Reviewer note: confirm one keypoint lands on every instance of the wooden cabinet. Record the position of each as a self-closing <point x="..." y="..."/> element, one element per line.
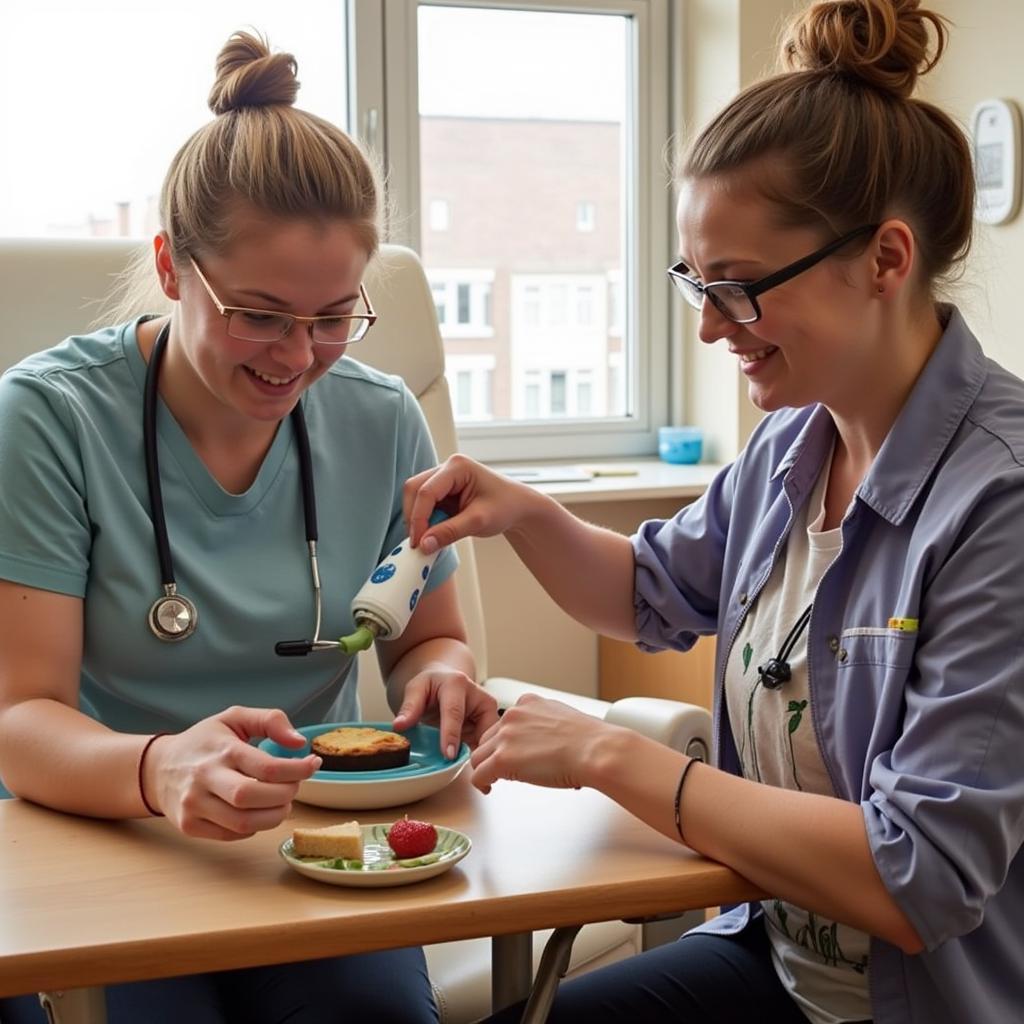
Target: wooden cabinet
<point x="625" y="671"/>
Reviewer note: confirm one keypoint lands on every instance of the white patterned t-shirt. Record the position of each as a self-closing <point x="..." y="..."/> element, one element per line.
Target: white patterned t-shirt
<point x="823" y="964"/>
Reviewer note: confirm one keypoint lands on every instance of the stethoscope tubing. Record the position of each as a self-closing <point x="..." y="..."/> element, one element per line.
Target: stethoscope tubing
<point x="183" y="608"/>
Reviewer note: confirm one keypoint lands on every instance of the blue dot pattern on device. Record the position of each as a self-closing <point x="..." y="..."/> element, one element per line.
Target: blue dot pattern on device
<point x="412" y="600"/>
<point x="426" y="571"/>
<point x="397" y="551"/>
<point x="383" y="573"/>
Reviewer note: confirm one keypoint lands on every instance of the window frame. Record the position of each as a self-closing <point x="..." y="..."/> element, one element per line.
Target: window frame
<point x="384" y="113"/>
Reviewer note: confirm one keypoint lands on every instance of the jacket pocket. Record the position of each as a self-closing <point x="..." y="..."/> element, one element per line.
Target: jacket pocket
<point x="876" y="645"/>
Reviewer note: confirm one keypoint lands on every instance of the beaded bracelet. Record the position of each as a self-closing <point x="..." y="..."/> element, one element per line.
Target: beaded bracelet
<point x="142" y="760"/>
<point x="679" y="793"/>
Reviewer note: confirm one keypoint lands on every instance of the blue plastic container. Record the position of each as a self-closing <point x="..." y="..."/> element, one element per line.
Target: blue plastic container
<point x="680" y="444"/>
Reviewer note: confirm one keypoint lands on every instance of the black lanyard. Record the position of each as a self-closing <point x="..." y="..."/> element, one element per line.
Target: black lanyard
<point x="776" y="671"/>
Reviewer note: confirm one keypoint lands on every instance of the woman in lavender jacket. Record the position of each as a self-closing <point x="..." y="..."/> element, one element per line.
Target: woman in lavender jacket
<point x="860" y="563"/>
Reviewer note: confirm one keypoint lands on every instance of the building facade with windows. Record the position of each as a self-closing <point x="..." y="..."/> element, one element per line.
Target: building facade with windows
<point x="525" y="264"/>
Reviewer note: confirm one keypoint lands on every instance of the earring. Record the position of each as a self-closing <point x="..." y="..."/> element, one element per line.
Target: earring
<point x="881" y="288"/>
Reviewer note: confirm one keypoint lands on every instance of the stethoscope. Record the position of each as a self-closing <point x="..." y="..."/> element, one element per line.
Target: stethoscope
<point x="173" y="616"/>
<point x="776" y="671"/>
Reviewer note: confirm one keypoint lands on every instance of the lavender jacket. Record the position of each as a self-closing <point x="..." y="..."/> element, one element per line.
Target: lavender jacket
<point x="925" y="729"/>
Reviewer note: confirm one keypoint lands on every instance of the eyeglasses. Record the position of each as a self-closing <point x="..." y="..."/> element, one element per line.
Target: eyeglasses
<point x="737" y="300"/>
<point x="268" y="326"/>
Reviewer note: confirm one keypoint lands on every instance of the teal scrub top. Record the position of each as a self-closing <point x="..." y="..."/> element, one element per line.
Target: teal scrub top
<point x="75" y="519"/>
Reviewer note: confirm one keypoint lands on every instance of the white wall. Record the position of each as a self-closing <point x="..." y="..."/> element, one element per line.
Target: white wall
<point x="983" y="61"/>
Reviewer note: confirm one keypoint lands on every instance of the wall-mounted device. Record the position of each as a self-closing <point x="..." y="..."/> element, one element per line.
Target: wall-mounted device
<point x="996" y="148"/>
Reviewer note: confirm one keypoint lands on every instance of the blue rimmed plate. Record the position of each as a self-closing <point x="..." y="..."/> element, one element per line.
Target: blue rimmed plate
<point x="379" y="866"/>
<point x="427" y="771"/>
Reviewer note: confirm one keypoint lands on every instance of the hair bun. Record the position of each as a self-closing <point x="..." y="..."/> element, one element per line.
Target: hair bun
<point x="884" y="43"/>
<point x="249" y="75"/>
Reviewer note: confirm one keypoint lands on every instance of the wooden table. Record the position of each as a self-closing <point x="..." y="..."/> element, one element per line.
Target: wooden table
<point x="87" y="903"/>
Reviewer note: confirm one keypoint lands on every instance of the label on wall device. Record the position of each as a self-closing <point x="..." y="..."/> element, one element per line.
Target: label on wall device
<point x="995" y="146"/>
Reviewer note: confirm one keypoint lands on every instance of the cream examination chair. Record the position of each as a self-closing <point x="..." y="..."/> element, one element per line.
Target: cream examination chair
<point x="50" y="289"/>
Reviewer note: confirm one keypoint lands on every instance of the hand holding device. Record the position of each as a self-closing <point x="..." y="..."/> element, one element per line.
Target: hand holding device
<point x="488" y="502"/>
<point x="384" y="604"/>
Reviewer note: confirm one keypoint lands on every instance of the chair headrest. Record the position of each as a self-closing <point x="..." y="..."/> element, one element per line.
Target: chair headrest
<point x="52" y="288"/>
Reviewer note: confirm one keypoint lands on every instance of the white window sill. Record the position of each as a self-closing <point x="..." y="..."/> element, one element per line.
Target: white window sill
<point x="613" y="480"/>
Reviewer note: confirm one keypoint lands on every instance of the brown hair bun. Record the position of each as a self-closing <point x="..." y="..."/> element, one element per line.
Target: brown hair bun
<point x="249" y="75"/>
<point x="884" y="43"/>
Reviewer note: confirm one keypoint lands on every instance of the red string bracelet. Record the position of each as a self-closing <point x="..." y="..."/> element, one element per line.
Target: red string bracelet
<point x="142" y="760"/>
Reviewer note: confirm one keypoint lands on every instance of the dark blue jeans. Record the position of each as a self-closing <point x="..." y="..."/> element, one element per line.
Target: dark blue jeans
<point x="387" y="988"/>
<point x="701" y="979"/>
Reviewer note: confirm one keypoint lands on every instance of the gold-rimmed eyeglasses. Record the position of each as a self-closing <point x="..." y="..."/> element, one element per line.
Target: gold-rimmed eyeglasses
<point x="268" y="325"/>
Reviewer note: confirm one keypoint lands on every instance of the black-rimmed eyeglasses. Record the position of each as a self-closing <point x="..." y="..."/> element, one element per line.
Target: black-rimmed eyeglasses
<point x="268" y="326"/>
<point x="737" y="300"/>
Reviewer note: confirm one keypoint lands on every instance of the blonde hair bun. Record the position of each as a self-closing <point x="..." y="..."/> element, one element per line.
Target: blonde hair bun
<point x="884" y="43"/>
<point x="249" y="75"/>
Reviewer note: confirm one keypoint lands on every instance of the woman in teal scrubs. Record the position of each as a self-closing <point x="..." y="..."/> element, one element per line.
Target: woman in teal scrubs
<point x="269" y="219"/>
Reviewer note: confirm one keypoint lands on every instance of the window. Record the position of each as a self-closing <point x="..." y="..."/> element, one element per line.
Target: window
<point x="556" y="176"/>
<point x="463" y="302"/>
<point x="584" y="392"/>
<point x="439" y="215"/>
<point x="557" y="305"/>
<point x="615" y="304"/>
<point x="537" y="201"/>
<point x="555" y="393"/>
<point x="462" y="290"/>
<point x="531" y="306"/>
<point x="531" y="396"/>
<point x="585" y="216"/>
<point x="440" y="294"/>
<point x="584" y="306"/>
<point x="82" y="172"/>
<point x="551" y="334"/>
<point x="463" y="393"/>
<point x="471" y="381"/>
<point x="558" y="406"/>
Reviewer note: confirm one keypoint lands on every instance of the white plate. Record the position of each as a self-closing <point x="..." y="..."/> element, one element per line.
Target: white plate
<point x="427" y="773"/>
<point x="380" y="868"/>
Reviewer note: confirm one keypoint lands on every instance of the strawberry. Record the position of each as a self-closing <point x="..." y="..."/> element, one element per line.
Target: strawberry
<point x="412" y="838"/>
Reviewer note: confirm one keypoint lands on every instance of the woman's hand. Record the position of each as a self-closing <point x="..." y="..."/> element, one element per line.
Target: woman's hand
<point x="486" y="503"/>
<point x="211" y="783"/>
<point x="544" y="742"/>
<point x="464" y="710"/>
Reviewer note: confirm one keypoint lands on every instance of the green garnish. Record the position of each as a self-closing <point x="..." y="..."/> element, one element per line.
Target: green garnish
<point x="342" y="864"/>
<point x="418" y="862"/>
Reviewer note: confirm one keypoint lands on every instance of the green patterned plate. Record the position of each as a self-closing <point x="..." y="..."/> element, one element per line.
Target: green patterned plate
<point x="379" y="866"/>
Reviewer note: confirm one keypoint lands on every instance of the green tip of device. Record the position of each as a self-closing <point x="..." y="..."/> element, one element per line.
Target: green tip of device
<point x="360" y="640"/>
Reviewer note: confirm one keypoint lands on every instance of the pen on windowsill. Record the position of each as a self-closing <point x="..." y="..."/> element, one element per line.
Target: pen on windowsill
<point x="611" y="470"/>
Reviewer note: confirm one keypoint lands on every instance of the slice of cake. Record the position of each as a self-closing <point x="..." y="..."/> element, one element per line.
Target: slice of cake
<point x="361" y="749"/>
<point x="333" y="841"/>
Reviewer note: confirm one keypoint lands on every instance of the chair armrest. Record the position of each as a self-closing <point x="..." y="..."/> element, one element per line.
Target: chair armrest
<point x="508" y="691"/>
<point x="683" y="727"/>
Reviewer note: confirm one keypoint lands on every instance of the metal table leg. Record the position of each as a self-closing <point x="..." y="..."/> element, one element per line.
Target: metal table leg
<point x="511" y="969"/>
<point x="553" y="965"/>
<point x="75" y="1006"/>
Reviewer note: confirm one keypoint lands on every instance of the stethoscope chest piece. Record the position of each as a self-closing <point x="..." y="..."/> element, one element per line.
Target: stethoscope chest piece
<point x="173" y="617"/>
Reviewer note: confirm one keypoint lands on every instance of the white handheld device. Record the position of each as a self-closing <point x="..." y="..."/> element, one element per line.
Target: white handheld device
<point x="385" y="603"/>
